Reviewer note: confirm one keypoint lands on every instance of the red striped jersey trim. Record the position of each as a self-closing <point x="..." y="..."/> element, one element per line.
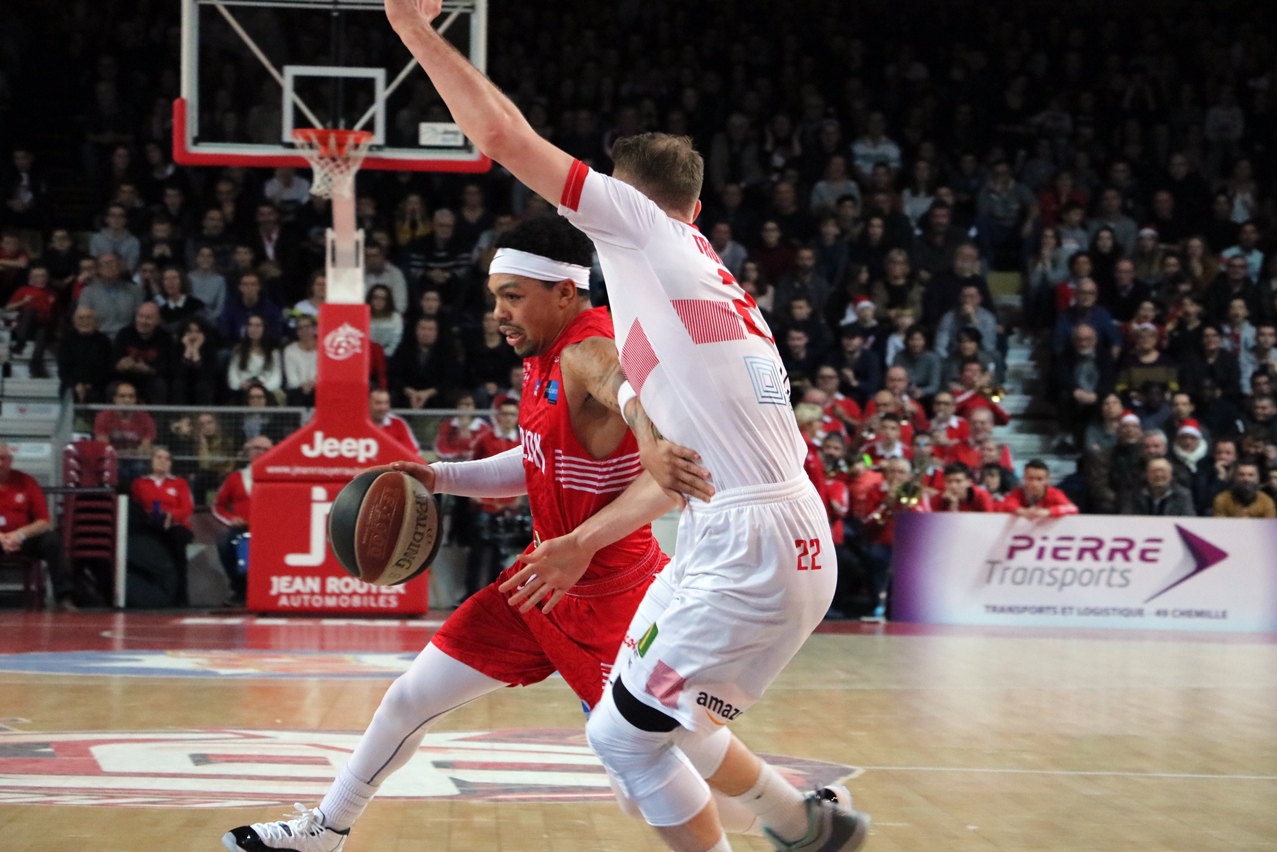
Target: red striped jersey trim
<point x="638" y="359"/>
<point x="572" y="188"/>
<point x="709" y="321"/>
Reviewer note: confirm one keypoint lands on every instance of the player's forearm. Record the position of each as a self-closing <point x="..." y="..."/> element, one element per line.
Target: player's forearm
<point x="640" y="504"/>
<point x="495" y="477"/>
<point x="485" y="115"/>
<point x="34" y="529"/>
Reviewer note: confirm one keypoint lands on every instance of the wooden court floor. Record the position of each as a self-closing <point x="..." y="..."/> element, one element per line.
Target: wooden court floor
<point x="125" y="733"/>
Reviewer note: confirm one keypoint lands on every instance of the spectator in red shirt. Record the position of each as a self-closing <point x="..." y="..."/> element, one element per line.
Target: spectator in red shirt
<point x="899" y="493"/>
<point x="25" y="527"/>
<point x="1036" y="498"/>
<point x="233" y="507"/>
<point x="458" y="436"/>
<point x="128" y="429"/>
<point x="947" y="428"/>
<point x="971" y="452"/>
<point x="927" y="468"/>
<point x="33" y="303"/>
<point x="887" y="443"/>
<point x="492" y="516"/>
<point x="164" y="507"/>
<point x="809" y="417"/>
<point x="960" y="493"/>
<point x="976" y="393"/>
<point x="897" y="382"/>
<point x="842" y="408"/>
<point x="392" y="424"/>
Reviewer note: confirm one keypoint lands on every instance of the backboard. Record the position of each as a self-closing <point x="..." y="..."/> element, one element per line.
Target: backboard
<point x="253" y="71"/>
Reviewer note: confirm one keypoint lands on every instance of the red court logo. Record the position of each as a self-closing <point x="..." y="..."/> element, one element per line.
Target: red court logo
<point x="223" y="768"/>
<point x="344" y="341"/>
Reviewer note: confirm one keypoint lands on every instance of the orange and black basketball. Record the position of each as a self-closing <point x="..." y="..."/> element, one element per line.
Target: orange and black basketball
<point x="384" y="527"/>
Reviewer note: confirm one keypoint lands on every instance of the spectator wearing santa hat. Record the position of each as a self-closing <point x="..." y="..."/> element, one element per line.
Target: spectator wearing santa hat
<point x="1188" y="455"/>
<point x="874" y="332"/>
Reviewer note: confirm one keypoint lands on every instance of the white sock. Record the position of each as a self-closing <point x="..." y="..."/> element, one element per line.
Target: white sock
<point x="778" y="805"/>
<point x="735" y="817"/>
<point x="721" y="846"/>
<point x="345" y="801"/>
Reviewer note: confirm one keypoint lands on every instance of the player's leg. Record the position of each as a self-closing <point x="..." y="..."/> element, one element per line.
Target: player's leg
<point x="731" y="770"/>
<point x="434" y="684"/>
<point x="742" y="609"/>
<point x="636" y="745"/>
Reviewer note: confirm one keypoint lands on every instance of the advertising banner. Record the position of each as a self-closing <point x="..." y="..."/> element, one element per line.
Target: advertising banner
<point x="290" y="568"/>
<point x="1147" y="573"/>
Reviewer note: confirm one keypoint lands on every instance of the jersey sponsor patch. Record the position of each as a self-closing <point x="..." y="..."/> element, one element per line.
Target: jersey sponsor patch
<point x="552" y="392"/>
<point x="646" y="640"/>
<point x="771" y="386"/>
<point x="715" y="706"/>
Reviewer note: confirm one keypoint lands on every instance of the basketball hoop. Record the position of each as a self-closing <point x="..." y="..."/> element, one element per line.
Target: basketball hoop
<point x="335" y="156"/>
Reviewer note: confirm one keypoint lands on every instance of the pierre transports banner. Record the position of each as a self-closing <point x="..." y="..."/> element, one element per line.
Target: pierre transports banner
<point x="1145" y="573"/>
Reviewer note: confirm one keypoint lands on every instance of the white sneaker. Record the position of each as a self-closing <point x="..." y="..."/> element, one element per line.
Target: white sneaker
<point x="304" y="832"/>
<point x="833" y="825"/>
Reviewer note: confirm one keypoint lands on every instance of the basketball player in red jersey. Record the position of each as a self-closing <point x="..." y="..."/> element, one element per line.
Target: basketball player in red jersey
<point x="576" y="457"/>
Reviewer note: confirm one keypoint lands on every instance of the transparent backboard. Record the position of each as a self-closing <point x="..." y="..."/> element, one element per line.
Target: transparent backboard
<point x="255" y="70"/>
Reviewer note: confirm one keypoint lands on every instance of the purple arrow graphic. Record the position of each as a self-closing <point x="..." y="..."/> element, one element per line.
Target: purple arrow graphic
<point x="1204" y="556"/>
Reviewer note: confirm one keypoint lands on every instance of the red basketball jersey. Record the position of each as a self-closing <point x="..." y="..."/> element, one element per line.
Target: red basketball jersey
<point x="565" y="484"/>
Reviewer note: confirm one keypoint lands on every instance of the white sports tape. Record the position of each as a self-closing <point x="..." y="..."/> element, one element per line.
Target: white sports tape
<point x="514" y="262"/>
<point x="624" y="394"/>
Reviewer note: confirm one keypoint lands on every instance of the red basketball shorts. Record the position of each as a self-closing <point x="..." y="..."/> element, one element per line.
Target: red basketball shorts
<point x="580" y="638"/>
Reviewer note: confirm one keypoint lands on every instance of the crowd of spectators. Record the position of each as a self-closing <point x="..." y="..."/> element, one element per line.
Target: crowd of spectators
<point x="866" y="181"/>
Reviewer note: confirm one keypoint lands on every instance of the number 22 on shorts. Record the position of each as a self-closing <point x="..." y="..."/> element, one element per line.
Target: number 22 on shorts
<point x="808" y="549"/>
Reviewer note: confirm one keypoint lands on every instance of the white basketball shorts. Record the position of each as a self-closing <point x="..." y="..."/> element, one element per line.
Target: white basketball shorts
<point x="753" y="574"/>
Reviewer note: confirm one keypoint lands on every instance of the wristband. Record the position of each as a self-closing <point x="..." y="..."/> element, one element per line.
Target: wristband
<point x="624" y="394"/>
<point x="22" y="537"/>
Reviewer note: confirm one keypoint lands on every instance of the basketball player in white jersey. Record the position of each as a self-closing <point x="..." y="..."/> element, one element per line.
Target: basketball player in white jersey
<point x="753" y="574"/>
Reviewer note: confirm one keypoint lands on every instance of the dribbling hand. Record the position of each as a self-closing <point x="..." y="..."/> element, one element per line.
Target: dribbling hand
<point x="423" y="473"/>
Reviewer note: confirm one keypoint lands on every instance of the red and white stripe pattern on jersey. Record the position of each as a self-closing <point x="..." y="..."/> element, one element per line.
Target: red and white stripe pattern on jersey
<point x="709" y="321"/>
<point x="638" y="359"/>
<point x="610" y="476"/>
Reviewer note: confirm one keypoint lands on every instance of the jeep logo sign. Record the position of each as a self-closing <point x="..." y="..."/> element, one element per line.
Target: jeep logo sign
<point x="359" y="449"/>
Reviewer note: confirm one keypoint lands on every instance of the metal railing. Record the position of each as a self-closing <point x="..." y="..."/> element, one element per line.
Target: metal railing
<point x="207" y="442"/>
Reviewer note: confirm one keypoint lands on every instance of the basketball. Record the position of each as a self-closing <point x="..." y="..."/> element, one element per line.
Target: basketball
<point x="384" y="527"/>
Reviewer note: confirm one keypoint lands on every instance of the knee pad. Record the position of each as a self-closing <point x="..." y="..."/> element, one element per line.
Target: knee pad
<point x="706" y="752"/>
<point x="646" y="767"/>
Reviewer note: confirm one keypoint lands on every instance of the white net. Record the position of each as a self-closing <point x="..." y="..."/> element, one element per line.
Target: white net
<point x="335" y="156"/>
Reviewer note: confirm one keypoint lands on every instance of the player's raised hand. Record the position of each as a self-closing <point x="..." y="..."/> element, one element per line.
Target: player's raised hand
<point x="406" y="12"/>
<point x="548" y="573"/>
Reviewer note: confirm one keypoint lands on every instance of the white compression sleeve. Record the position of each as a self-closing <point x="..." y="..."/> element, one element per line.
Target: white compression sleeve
<point x="496" y="476"/>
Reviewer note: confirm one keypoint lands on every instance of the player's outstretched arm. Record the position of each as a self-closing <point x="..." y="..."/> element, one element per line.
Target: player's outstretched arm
<point x="496" y="477"/>
<point x="485" y="115"/>
<point x="558" y="563"/>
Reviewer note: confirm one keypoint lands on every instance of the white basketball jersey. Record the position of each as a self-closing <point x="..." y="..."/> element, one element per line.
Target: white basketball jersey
<point x="692" y="343"/>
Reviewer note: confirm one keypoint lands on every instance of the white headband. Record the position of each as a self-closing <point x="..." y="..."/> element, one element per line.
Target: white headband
<point x="514" y="262"/>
